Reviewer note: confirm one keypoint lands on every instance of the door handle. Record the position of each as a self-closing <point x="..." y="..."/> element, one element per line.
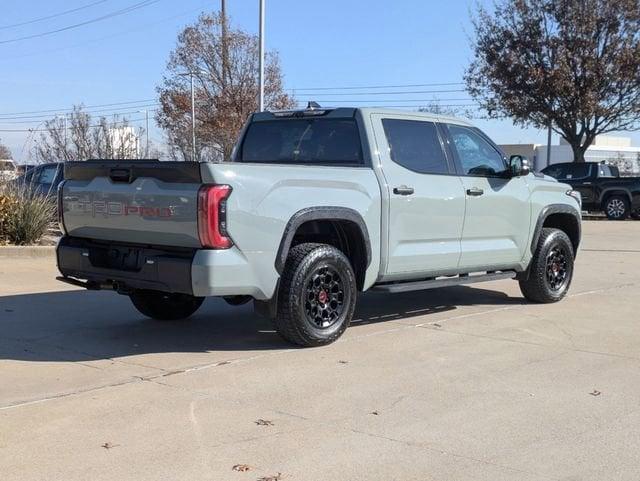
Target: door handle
<point x="475" y="191"/>
<point x="403" y="190"/>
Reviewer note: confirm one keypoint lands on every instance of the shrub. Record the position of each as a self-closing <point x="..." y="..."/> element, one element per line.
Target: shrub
<point x="25" y="216"/>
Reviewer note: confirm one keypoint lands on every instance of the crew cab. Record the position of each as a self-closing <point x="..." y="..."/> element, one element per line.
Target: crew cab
<point x="601" y="187"/>
<point x="315" y="206"/>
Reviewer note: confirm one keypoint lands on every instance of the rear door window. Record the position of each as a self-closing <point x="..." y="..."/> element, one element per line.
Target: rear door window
<point x="577" y="171"/>
<point x="415" y="145"/>
<point x="302" y="141"/>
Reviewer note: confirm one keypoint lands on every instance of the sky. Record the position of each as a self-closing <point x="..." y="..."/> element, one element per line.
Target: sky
<point x="322" y="44"/>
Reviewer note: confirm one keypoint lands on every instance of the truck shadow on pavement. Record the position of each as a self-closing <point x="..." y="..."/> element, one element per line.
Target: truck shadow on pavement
<point x="84" y="326"/>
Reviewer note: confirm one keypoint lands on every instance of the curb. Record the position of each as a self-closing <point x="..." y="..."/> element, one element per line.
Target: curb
<point x="28" y="251"/>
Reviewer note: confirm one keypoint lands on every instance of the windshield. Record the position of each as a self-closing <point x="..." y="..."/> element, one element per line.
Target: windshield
<point x="302" y="141"/>
<point x="4" y="165"/>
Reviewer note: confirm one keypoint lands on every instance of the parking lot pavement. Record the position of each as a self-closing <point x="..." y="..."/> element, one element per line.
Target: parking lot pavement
<point x="466" y="383"/>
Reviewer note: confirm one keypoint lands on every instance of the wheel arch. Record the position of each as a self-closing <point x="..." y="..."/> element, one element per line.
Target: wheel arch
<point x="341" y="227"/>
<point x="608" y="193"/>
<point x="559" y="216"/>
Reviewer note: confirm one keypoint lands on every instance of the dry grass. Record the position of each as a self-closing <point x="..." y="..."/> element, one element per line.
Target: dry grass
<point x="24" y="215"/>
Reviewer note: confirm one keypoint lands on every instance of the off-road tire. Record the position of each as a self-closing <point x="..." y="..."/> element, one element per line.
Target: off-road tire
<point x="553" y="244"/>
<point x="617" y="207"/>
<point x="297" y="320"/>
<point x="164" y="306"/>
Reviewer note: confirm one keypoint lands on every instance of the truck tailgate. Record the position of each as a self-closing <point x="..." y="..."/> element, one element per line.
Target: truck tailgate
<point x="143" y="202"/>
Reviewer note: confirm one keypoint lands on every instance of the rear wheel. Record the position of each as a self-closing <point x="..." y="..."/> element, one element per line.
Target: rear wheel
<point x="164" y="306"/>
<point x="616" y="207"/>
<point x="551" y="268"/>
<point x="317" y="295"/>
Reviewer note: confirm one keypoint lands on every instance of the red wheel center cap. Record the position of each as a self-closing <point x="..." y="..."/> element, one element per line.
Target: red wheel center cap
<point x="555" y="268"/>
<point x="323" y="296"/>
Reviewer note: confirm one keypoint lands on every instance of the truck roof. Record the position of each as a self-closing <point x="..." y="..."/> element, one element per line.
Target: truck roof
<point x="365" y="111"/>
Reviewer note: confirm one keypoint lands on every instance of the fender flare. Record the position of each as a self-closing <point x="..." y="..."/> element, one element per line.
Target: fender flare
<point x="616" y="191"/>
<point x="319" y="213"/>
<point x="555" y="209"/>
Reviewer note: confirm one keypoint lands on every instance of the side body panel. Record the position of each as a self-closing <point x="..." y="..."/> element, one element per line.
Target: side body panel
<point x="546" y="193"/>
<point x="496" y="226"/>
<point x="263" y="200"/>
<point x="422" y="234"/>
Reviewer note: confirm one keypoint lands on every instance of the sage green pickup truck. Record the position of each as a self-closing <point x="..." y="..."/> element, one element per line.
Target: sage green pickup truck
<point x="314" y="207"/>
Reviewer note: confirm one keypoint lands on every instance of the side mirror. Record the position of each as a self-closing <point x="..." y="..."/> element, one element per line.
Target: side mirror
<point x="519" y="165"/>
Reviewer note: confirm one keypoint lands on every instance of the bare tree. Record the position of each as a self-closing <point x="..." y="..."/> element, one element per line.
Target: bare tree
<point x="79" y="137"/>
<point x="574" y="64"/>
<point x="225" y="70"/>
<point x="5" y="152"/>
<point x="436" y="107"/>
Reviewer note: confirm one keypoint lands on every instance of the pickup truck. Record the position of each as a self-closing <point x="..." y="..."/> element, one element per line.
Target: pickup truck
<point x="315" y="206"/>
<point x="601" y="187"/>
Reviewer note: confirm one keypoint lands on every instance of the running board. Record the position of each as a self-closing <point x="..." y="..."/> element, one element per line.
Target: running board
<point x="443" y="282"/>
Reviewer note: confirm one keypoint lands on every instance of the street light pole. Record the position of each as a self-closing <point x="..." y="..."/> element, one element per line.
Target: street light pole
<point x="549" y="146"/>
<point x="193" y="120"/>
<point x="261" y="60"/>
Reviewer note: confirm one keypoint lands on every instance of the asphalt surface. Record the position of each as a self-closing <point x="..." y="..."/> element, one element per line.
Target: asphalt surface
<point x="465" y="383"/>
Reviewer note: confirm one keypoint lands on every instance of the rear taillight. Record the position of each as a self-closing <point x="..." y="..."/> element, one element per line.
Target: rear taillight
<point x="212" y="216"/>
<point x="60" y="208"/>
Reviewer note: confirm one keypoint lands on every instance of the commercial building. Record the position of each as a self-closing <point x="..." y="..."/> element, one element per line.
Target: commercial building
<point x="617" y="151"/>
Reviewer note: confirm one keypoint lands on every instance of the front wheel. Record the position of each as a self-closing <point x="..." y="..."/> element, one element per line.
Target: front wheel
<point x="317" y="295"/>
<point x="616" y="207"/>
<point x="551" y="268"/>
<point x="164" y="306"/>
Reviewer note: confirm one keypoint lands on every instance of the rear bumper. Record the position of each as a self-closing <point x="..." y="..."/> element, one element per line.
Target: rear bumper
<point x="199" y="272"/>
<point x="139" y="267"/>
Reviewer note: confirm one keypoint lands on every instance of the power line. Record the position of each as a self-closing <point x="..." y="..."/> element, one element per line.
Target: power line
<point x="127" y="121"/>
<point x="36" y="118"/>
<point x="406" y="92"/>
<point x="136" y="6"/>
<point x="431" y="100"/>
<point x="144" y="26"/>
<point x="49" y="17"/>
<point x="445" y="84"/>
<point x="84" y="106"/>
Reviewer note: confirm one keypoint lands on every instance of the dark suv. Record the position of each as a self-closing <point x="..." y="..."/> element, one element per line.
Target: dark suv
<point x="44" y="178"/>
<point x="601" y="187"/>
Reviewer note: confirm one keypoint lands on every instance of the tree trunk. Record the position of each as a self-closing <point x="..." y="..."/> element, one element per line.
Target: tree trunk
<point x="578" y="152"/>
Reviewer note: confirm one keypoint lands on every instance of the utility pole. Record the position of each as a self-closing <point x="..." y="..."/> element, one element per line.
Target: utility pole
<point x="225" y="53"/>
<point x="549" y="145"/>
<point x="193" y="120"/>
<point x="261" y="61"/>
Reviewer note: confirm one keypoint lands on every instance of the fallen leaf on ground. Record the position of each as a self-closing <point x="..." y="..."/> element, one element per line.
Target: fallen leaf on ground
<point x="109" y="445"/>
<point x="264" y="422"/>
<point x="595" y="392"/>
<point x="343" y="362"/>
<point x="436" y="324"/>
<point x="375" y="413"/>
<point x="277" y="477"/>
<point x="241" y="467"/>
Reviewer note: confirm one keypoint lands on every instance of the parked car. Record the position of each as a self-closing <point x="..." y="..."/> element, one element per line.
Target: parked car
<point x="601" y="187"/>
<point x="315" y="206"/>
<point x="44" y="178"/>
<point x="7" y="170"/>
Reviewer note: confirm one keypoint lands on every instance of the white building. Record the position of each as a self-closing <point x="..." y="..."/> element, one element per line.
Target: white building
<point x="613" y="150"/>
<point x="125" y="141"/>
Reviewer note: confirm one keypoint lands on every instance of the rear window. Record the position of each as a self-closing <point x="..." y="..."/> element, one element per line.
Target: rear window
<point x="568" y="171"/>
<point x="302" y="141"/>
